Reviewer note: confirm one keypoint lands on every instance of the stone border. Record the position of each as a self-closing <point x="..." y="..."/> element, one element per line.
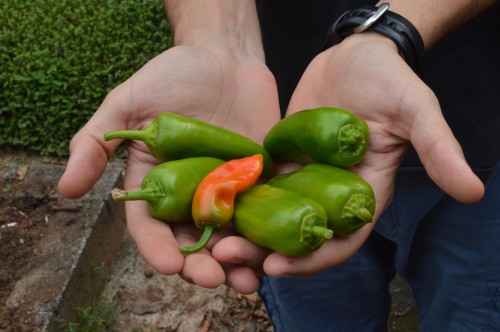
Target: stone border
<point x="73" y="267"/>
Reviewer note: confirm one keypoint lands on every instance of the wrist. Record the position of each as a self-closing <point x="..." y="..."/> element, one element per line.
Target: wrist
<point x="387" y="23"/>
<point x="225" y="26"/>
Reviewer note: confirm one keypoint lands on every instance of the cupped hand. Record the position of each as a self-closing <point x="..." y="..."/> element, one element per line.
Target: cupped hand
<point x="366" y="75"/>
<point x="234" y="93"/>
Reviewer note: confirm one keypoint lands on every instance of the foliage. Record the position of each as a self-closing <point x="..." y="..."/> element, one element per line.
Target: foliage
<point x="101" y="316"/>
<point x="59" y="59"/>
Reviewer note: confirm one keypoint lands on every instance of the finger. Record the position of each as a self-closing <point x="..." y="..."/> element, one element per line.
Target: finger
<point x="154" y="239"/>
<point x="442" y="156"/>
<point x="199" y="268"/>
<point x="242" y="262"/>
<point x="89" y="153"/>
<point x="87" y="162"/>
<point x="333" y="252"/>
<point x="242" y="279"/>
<point x="203" y="270"/>
<point x="236" y="250"/>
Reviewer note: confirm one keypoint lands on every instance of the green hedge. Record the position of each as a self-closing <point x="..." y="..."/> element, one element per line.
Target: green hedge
<point x="59" y="59"/>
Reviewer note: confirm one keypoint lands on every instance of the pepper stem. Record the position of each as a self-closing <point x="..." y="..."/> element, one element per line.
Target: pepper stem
<point x="350" y="139"/>
<point x="125" y="134"/>
<point x="365" y="215"/>
<point x="208" y="230"/>
<point x="322" y="232"/>
<point x="139" y="195"/>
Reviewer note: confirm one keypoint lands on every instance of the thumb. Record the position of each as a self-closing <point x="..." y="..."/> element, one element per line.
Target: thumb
<point x="89" y="153"/>
<point x="442" y="156"/>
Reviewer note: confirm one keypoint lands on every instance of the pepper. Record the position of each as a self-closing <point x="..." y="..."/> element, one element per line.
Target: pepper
<point x="171" y="137"/>
<point x="325" y="135"/>
<point x="348" y="199"/>
<point x="213" y="202"/>
<point x="169" y="187"/>
<point x="281" y="220"/>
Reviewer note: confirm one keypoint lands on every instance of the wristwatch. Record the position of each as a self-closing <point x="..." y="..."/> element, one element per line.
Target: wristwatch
<point x="381" y="20"/>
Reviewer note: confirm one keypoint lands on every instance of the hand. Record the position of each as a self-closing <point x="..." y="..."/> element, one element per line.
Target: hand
<point x="365" y="74"/>
<point x="238" y="94"/>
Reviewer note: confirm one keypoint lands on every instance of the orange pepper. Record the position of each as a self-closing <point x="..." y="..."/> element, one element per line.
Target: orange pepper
<point x="213" y="202"/>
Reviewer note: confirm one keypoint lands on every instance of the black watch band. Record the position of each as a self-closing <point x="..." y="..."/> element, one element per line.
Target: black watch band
<point x="381" y="20"/>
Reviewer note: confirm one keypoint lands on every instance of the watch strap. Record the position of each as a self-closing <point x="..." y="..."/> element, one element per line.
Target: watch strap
<point x="381" y="20"/>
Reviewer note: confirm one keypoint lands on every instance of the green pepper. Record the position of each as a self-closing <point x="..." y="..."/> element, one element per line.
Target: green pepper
<point x="349" y="200"/>
<point x="324" y="135"/>
<point x="169" y="187"/>
<point x="171" y="137"/>
<point x="280" y="220"/>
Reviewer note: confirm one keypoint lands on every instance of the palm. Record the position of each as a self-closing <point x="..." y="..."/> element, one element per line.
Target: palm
<point x="372" y="81"/>
<point x="366" y="88"/>
<point x="199" y="84"/>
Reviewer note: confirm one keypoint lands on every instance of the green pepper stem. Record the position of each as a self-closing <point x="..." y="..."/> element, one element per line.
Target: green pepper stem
<point x="365" y="215"/>
<point x="125" y="134"/>
<point x="322" y="232"/>
<point x="139" y="195"/>
<point x="350" y="139"/>
<point x="208" y="230"/>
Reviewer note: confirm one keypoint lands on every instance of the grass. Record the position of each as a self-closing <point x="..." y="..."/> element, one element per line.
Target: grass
<point x="99" y="317"/>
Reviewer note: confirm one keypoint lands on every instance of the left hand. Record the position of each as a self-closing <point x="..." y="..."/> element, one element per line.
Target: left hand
<point x="366" y="75"/>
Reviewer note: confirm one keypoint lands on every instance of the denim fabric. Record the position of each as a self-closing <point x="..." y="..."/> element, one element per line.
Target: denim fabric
<point x="448" y="252"/>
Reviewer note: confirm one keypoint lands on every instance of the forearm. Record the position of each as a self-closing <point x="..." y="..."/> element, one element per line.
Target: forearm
<point x="434" y="19"/>
<point x="225" y="24"/>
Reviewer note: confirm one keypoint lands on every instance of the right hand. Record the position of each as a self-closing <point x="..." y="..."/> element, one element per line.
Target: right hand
<point x="232" y="92"/>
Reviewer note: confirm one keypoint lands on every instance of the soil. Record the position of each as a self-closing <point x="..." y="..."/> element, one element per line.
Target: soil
<point x="22" y="224"/>
<point x="29" y="211"/>
<point x="149" y="301"/>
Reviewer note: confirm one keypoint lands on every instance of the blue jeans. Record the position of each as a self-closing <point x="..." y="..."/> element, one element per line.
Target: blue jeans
<point x="448" y="252"/>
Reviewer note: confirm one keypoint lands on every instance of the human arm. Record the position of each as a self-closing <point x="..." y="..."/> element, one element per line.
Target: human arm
<point x="215" y="73"/>
<point x="435" y="19"/>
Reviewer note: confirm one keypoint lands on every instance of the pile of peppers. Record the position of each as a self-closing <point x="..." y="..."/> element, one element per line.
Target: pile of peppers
<point x="219" y="179"/>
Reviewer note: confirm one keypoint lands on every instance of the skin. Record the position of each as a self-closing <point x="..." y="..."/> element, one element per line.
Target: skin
<point x="216" y="73"/>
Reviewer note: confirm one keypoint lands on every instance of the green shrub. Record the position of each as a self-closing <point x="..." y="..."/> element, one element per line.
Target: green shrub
<point x="59" y="59"/>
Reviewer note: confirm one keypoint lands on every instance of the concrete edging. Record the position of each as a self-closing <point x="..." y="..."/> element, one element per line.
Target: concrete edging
<point x="75" y="259"/>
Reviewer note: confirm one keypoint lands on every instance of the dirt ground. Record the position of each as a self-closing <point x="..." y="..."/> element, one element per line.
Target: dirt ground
<point x="149" y="301"/>
<point x="25" y="211"/>
<point x="22" y="219"/>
